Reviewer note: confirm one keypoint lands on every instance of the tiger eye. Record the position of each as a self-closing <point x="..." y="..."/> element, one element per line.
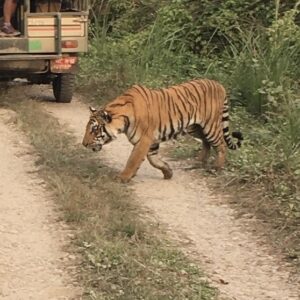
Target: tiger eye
<point x="94" y="128"/>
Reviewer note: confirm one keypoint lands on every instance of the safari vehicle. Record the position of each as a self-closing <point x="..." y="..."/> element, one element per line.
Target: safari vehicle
<point x="52" y="36"/>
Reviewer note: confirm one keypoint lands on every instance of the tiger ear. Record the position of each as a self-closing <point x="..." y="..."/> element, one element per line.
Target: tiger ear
<point x="105" y="116"/>
<point x="92" y="109"/>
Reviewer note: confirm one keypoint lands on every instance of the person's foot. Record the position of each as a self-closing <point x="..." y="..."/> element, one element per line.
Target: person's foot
<point x="8" y="30"/>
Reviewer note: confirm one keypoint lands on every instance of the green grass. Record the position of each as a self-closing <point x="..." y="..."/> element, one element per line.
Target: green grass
<point x="122" y="257"/>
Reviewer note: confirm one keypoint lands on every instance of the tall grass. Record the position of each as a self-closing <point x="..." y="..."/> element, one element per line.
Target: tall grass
<point x="267" y="63"/>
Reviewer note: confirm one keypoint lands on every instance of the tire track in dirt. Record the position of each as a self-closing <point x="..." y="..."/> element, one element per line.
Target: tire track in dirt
<point x="33" y="264"/>
<point x="238" y="262"/>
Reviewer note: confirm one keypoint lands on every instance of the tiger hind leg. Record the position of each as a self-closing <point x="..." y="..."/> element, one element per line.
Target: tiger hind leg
<point x="157" y="163"/>
<point x="204" y="153"/>
<point x="196" y="132"/>
<point x="221" y="155"/>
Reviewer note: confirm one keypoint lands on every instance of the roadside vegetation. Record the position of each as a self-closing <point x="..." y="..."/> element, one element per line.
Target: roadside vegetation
<point x="121" y="256"/>
<point x="253" y="48"/>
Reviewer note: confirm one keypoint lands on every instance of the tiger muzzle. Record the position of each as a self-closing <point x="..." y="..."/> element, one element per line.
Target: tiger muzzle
<point x="96" y="148"/>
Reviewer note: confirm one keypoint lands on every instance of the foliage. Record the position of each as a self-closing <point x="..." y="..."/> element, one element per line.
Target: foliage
<point x="267" y="66"/>
<point x="196" y="24"/>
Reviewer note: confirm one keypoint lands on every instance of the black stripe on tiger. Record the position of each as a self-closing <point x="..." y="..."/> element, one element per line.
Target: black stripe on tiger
<point x="236" y="134"/>
<point x="154" y="149"/>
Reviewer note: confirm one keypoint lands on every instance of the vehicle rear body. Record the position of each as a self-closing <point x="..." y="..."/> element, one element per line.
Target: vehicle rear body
<point x="49" y="44"/>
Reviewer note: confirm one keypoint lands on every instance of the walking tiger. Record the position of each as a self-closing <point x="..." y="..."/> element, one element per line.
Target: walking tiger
<point x="150" y="116"/>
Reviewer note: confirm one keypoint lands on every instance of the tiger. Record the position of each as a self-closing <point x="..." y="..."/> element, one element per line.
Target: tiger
<point x="151" y="116"/>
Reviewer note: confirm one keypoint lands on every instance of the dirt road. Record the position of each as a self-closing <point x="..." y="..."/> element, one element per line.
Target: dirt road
<point x="238" y="262"/>
<point x="32" y="261"/>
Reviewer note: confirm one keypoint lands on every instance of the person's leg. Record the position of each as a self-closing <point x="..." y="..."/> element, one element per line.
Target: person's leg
<point x="9" y="9"/>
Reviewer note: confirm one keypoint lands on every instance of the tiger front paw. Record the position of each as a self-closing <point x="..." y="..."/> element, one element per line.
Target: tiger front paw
<point x="122" y="178"/>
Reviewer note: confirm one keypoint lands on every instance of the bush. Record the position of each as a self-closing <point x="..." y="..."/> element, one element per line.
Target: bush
<point x="267" y="67"/>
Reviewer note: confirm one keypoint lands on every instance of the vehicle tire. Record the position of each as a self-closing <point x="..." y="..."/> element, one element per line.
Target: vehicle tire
<point x="63" y="87"/>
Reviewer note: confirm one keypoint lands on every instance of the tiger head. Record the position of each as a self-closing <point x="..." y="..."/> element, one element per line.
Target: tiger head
<point x="98" y="130"/>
